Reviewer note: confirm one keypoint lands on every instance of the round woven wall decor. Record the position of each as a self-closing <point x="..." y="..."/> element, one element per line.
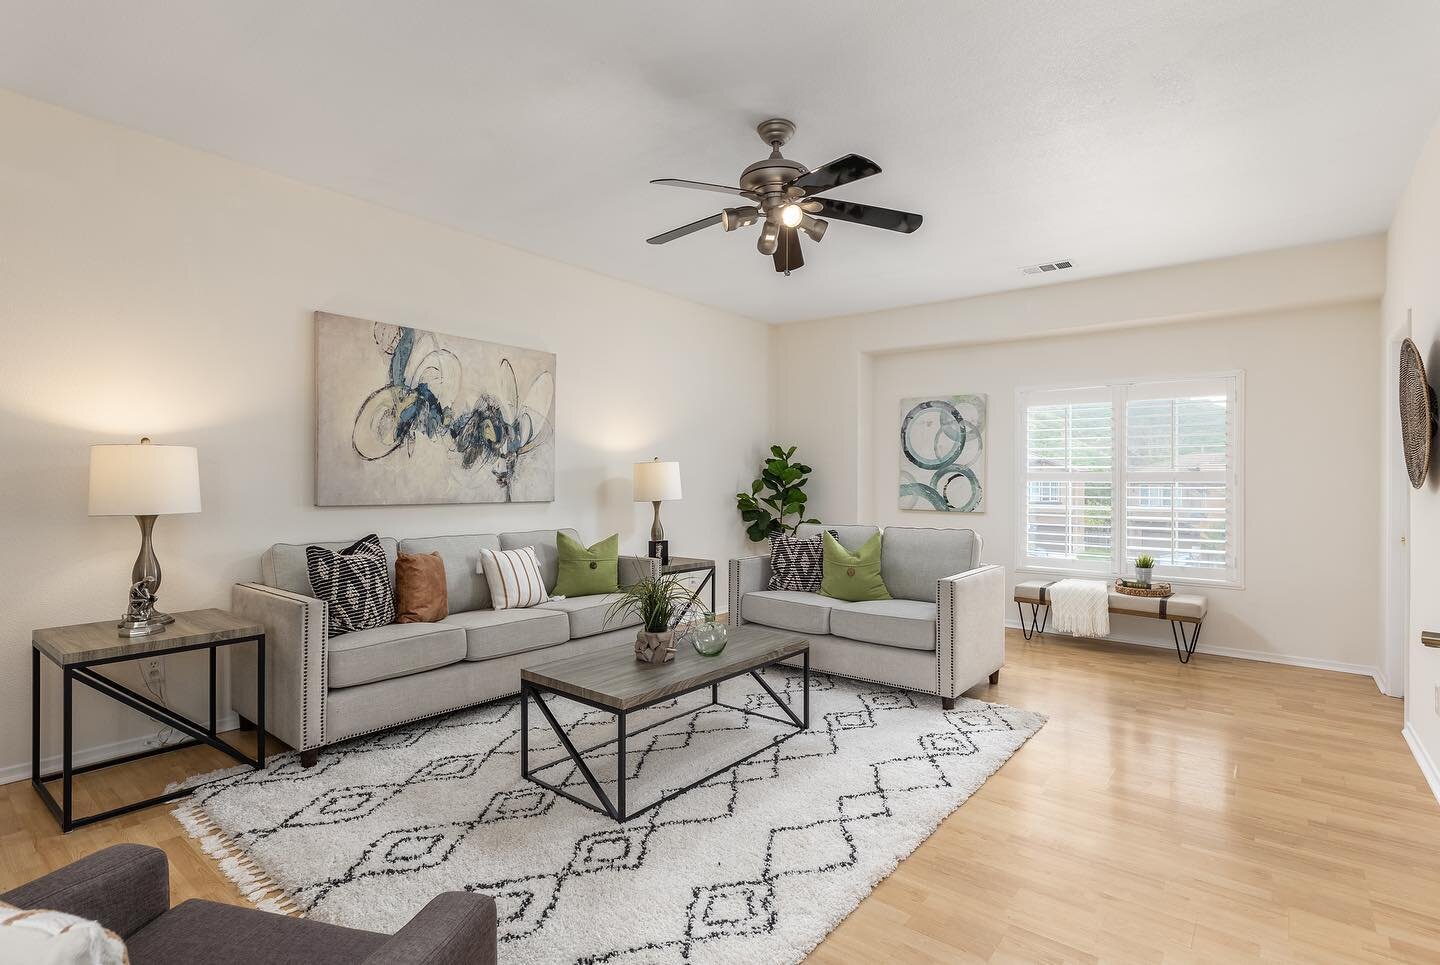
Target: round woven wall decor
<point x="1417" y="413"/>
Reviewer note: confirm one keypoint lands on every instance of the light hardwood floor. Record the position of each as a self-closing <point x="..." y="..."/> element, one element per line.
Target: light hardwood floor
<point x="1224" y="811"/>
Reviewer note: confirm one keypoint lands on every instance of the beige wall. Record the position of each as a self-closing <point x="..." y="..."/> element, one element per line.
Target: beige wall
<point x="148" y="288"/>
<point x="1301" y="324"/>
<point x="1412" y="303"/>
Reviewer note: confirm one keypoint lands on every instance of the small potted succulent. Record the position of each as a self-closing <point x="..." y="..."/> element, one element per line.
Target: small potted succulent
<point x="1144" y="567"/>
<point x="658" y="602"/>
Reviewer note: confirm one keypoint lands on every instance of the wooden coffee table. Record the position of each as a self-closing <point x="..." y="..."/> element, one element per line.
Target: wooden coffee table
<point x="611" y="679"/>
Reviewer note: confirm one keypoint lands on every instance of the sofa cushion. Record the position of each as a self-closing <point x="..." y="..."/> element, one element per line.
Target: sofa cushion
<point x="587" y="614"/>
<point x="544" y="542"/>
<point x="788" y="610"/>
<point x="357" y="584"/>
<point x="909" y="624"/>
<point x="499" y="633"/>
<point x="915" y="558"/>
<point x="420" y="595"/>
<point x="216" y="934"/>
<point x="394" y="650"/>
<point x="852" y="577"/>
<point x="283" y="565"/>
<point x="465" y="588"/>
<point x="587" y="570"/>
<point x="851" y="536"/>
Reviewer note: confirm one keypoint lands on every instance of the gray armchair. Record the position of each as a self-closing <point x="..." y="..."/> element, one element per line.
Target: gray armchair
<point x="127" y="889"/>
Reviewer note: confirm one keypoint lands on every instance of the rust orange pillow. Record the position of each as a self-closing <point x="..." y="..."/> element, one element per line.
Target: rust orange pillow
<point x="420" y="595"/>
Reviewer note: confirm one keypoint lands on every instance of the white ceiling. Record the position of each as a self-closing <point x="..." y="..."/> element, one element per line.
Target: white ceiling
<point x="1121" y="134"/>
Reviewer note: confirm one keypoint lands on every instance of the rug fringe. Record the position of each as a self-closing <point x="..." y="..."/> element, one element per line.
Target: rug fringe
<point x="254" y="884"/>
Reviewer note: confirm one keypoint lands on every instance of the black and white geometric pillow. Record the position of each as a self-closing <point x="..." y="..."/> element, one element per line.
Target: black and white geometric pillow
<point x="795" y="563"/>
<point x="355" y="582"/>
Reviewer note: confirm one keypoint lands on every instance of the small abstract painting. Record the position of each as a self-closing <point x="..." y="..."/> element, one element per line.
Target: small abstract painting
<point x="406" y="416"/>
<point x="942" y="453"/>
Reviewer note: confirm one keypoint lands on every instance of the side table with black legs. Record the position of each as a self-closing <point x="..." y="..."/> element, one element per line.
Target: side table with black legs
<point x="690" y="564"/>
<point x="76" y="650"/>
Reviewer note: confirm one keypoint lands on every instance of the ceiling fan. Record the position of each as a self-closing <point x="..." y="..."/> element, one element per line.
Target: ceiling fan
<point x="784" y="197"/>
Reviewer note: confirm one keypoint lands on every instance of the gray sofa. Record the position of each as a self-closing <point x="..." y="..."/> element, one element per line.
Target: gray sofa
<point x="126" y="888"/>
<point x="321" y="689"/>
<point x="943" y="633"/>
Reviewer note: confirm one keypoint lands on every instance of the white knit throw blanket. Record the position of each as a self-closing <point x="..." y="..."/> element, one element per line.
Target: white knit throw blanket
<point x="1080" y="608"/>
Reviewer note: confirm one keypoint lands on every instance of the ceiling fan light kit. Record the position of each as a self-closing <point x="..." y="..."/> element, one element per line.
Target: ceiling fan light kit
<point x="783" y="195"/>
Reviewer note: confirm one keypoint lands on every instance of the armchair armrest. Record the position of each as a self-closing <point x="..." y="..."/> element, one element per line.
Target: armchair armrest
<point x="455" y="928"/>
<point x="971" y="627"/>
<point x="633" y="569"/>
<point x="296" y="636"/>
<point x="124" y="887"/>
<point x="748" y="574"/>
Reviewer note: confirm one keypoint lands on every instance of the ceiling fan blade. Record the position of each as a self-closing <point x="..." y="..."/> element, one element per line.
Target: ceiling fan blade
<point x="787" y="252"/>
<point x="700" y="186"/>
<point x="887" y="218"/>
<point x="851" y="167"/>
<point x="684" y="230"/>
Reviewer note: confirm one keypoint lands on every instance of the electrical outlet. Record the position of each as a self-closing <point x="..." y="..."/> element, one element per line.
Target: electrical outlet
<point x="1437" y="700"/>
<point x="153" y="668"/>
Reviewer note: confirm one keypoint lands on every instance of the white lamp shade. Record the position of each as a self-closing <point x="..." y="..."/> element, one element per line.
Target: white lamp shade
<point x="657" y="481"/>
<point x="144" y="480"/>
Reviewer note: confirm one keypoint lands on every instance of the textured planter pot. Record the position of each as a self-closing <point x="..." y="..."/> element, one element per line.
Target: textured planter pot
<point x="655" y="647"/>
<point x="1142" y="575"/>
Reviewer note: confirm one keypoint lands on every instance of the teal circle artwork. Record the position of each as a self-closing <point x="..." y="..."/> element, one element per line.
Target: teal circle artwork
<point x="942" y="449"/>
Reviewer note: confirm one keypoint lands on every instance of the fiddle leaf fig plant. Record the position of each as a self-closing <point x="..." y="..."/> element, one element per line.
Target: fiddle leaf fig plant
<point x="776" y="500"/>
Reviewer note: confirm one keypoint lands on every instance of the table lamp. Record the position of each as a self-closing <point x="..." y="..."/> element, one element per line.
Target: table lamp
<point x="144" y="481"/>
<point x="656" y="482"/>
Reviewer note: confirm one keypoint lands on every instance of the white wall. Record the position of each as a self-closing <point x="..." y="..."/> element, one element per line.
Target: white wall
<point x="148" y="288"/>
<point x="1412" y="296"/>
<point x="1302" y="324"/>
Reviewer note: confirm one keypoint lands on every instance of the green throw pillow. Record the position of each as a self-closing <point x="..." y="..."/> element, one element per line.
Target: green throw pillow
<point x="584" y="572"/>
<point x="852" y="577"/>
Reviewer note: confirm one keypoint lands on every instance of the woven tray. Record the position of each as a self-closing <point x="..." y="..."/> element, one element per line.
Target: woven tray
<point x="1156" y="591"/>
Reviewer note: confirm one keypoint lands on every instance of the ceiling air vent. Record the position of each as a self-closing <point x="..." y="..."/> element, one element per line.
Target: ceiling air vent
<point x="1048" y="266"/>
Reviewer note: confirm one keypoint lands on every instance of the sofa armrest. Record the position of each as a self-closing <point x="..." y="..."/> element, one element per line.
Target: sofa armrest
<point x="748" y="574"/>
<point x="970" y="627"/>
<point x="633" y="569"/>
<point x="455" y="928"/>
<point x="124" y="887"/>
<point x="296" y="636"/>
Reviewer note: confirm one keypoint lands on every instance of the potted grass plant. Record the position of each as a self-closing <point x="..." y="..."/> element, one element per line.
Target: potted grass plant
<point x="658" y="602"/>
<point x="1144" y="568"/>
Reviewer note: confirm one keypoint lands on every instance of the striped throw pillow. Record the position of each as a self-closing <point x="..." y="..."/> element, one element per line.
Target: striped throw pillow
<point x="514" y="577"/>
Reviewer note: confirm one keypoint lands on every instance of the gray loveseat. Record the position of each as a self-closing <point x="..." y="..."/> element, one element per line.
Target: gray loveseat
<point x="126" y="888"/>
<point x="943" y="633"/>
<point x="321" y="689"/>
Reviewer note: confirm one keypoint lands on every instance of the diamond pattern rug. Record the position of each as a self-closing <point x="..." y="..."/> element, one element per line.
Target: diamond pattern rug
<point x="756" y="865"/>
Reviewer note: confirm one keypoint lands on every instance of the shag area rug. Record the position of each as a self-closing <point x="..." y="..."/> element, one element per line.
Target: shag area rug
<point x="756" y="865"/>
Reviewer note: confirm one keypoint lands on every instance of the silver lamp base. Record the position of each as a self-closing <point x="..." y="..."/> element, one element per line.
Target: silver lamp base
<point x="141" y="627"/>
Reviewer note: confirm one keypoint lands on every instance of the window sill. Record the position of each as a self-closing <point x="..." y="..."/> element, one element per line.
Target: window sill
<point x="1200" y="582"/>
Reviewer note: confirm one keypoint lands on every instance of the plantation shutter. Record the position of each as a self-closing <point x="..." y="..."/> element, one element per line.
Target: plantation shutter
<point x="1180" y="479"/>
<point x="1069" y="478"/>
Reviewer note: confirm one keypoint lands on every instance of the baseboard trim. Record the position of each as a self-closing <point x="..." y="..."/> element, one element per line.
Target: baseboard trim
<point x="1428" y="770"/>
<point x="93" y="755"/>
<point x="1261" y="656"/>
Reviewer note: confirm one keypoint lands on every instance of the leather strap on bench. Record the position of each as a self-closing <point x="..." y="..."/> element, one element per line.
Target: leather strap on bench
<point x="1163" y="601"/>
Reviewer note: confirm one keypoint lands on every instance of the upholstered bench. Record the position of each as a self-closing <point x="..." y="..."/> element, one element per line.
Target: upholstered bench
<point x="1181" y="609"/>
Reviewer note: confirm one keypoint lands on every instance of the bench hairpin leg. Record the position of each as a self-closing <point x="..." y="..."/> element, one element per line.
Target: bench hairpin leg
<point x="1037" y="622"/>
<point x="1184" y="647"/>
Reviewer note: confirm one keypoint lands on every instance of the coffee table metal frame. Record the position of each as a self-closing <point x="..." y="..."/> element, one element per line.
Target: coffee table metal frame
<point x="616" y="808"/>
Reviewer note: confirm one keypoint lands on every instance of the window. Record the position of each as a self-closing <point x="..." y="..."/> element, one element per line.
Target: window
<point x="1113" y="471"/>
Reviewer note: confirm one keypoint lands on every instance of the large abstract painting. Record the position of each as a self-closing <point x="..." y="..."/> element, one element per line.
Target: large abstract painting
<point x="942" y="453"/>
<point x="409" y="416"/>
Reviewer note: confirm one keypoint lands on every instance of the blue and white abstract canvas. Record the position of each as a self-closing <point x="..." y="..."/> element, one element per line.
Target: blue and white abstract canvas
<point x="407" y="416"/>
<point x="942" y="453"/>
